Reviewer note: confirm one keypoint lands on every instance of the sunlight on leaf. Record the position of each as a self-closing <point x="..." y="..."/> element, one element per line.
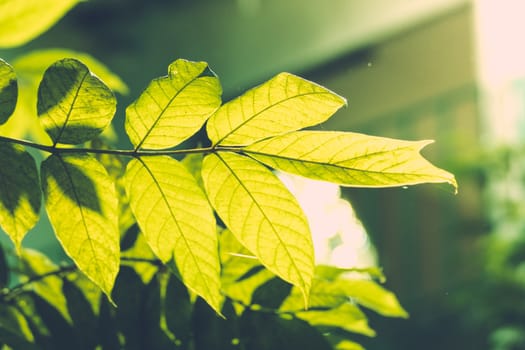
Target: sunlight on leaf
<point x="331" y="293"/>
<point x="8" y="91"/>
<point x="262" y="214"/>
<point x="23" y="20"/>
<point x="50" y="288"/>
<point x="20" y="194"/>
<point x="346" y="316"/>
<point x="348" y="345"/>
<point x="174" y="107"/>
<point x="74" y="105"/>
<point x="350" y="159"/>
<point x="32" y="65"/>
<point x="81" y="203"/>
<point x="373" y="296"/>
<point x="177" y="221"/>
<point x="284" y="103"/>
<point x="29" y="68"/>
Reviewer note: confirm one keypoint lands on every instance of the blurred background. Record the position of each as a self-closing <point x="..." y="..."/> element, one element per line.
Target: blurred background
<point x="448" y="70"/>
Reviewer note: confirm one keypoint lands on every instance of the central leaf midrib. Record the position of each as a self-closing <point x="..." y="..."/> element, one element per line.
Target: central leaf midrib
<point x="292" y="260"/>
<point x="165" y="199"/>
<point x="231" y="132"/>
<point x="77" y="201"/>
<point x="68" y="115"/>
<point x="333" y="165"/>
<point x="165" y="108"/>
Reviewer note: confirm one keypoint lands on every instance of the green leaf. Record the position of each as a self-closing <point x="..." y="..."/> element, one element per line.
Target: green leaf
<point x="332" y="273"/>
<point x="33" y="64"/>
<point x="49" y="288"/>
<point x="349" y="159"/>
<point x="20" y="194"/>
<point x="284" y="103"/>
<point x="14" y="328"/>
<point x="348" y="345"/>
<point x="81" y="203"/>
<point x="177" y="221"/>
<point x="74" y="105"/>
<point x="262" y="214"/>
<point x="23" y="20"/>
<point x="174" y="107"/>
<point x="8" y="91"/>
<point x="346" y="316"/>
<point x="373" y="296"/>
<point x="334" y="293"/>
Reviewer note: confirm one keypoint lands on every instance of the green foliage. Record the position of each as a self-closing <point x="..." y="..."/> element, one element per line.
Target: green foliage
<point x="22" y="20"/>
<point x="139" y="224"/>
<point x="264" y="272"/>
<point x="8" y="91"/>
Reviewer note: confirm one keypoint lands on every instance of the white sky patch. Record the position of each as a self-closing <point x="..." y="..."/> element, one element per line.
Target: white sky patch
<point x="339" y="237"/>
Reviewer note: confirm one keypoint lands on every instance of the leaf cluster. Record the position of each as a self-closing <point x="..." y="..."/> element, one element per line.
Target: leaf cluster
<point x="94" y="194"/>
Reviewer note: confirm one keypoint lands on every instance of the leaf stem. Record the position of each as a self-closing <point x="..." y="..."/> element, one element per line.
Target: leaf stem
<point x="118" y="152"/>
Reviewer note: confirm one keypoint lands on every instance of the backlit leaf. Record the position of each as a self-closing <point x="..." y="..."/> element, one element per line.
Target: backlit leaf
<point x="8" y="91"/>
<point x="49" y="288"/>
<point x="174" y="107"/>
<point x="348" y="345"/>
<point x="346" y="316"/>
<point x="262" y="214"/>
<point x="73" y="105"/>
<point x="349" y="159"/>
<point x="284" y="103"/>
<point x="20" y="194"/>
<point x="23" y="20"/>
<point x="33" y="64"/>
<point x="373" y="296"/>
<point x="30" y="68"/>
<point x="177" y="220"/>
<point x="81" y="203"/>
<point x="334" y="293"/>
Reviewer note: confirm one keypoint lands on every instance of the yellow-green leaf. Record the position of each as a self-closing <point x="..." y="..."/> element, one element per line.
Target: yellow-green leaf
<point x="20" y="194"/>
<point x="348" y="345"/>
<point x="334" y="293"/>
<point x="50" y="288"/>
<point x="74" y="105"/>
<point x="81" y="203"/>
<point x="23" y="20"/>
<point x="177" y="221"/>
<point x="262" y="214"/>
<point x="349" y="159"/>
<point x="174" y="107"/>
<point x="373" y="296"/>
<point x="33" y="64"/>
<point x="346" y="316"/>
<point x="282" y="104"/>
<point x="8" y="91"/>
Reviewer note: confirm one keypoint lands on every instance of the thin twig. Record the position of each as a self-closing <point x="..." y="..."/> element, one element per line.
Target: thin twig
<point x="118" y="152"/>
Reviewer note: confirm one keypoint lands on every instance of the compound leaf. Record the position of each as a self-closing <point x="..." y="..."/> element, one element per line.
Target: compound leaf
<point x="282" y="104"/>
<point x="8" y="91"/>
<point x="262" y="214"/>
<point x="174" y="107"/>
<point x="349" y="159"/>
<point x="20" y="194"/>
<point x="81" y="203"/>
<point x="74" y="105"/>
<point x="177" y="221"/>
<point x="23" y="20"/>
